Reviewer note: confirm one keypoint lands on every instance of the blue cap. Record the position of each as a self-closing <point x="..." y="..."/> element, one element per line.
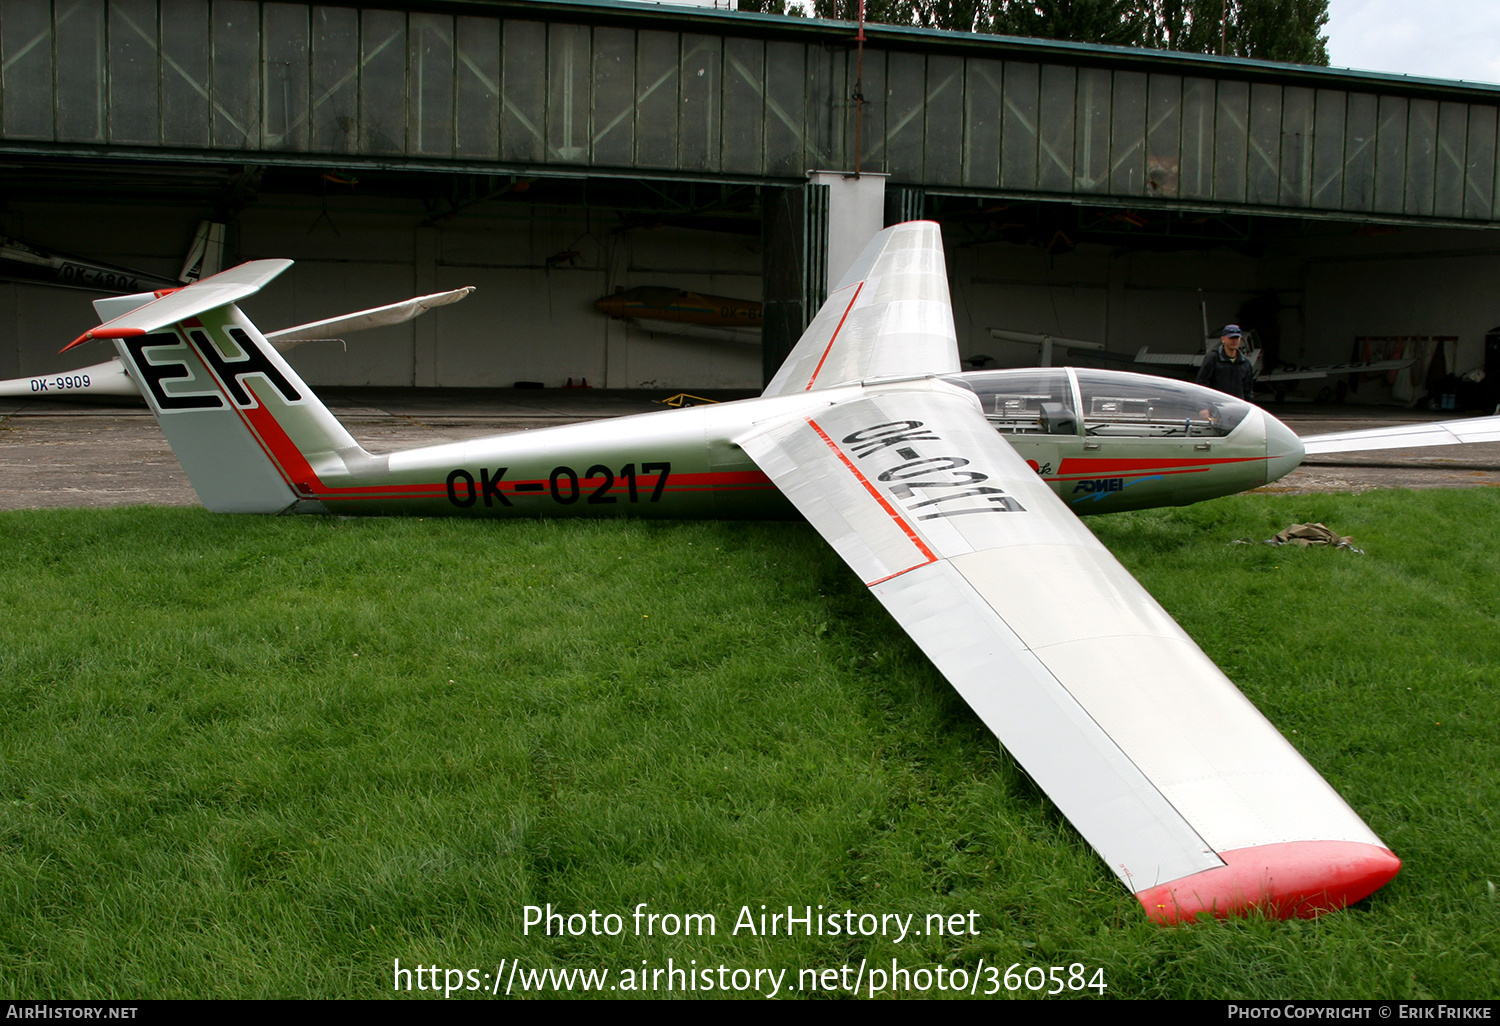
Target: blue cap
<point x="1231" y="331"/>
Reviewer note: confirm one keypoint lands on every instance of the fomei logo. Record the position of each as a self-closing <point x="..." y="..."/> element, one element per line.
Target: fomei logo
<point x="1098" y="489"/>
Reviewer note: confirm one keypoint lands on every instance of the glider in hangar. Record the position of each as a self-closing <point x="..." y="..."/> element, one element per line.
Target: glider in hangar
<point x="668" y="311"/>
<point x="951" y="496"/>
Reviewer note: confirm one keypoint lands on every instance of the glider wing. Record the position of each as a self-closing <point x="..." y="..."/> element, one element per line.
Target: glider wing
<point x="378" y="317"/>
<point x="1192" y="797"/>
<point x="1407" y="436"/>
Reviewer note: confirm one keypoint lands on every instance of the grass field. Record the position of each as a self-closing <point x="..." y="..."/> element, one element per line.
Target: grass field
<point x="265" y="757"/>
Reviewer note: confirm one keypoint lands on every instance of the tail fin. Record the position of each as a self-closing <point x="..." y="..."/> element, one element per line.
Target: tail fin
<point x="249" y="432"/>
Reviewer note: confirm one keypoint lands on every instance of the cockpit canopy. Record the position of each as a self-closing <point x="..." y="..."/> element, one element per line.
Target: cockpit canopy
<point x="1077" y="400"/>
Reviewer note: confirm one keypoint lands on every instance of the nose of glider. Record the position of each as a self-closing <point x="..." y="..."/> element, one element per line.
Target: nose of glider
<point x="1284" y="450"/>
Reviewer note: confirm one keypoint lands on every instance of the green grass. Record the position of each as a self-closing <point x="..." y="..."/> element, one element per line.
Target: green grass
<point x="265" y="757"/>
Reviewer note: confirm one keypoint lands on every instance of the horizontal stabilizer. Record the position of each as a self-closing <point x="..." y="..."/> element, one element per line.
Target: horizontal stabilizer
<point x="178" y="305"/>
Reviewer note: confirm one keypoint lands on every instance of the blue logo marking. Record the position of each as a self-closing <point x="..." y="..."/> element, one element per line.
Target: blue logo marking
<point x="1101" y="488"/>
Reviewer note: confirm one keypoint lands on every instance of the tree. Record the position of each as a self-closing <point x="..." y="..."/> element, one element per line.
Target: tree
<point x="1113" y="22"/>
<point x="1281" y="30"/>
<point x="1271" y="30"/>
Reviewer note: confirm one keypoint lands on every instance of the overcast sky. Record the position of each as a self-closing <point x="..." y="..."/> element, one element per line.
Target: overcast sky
<point x="1427" y="38"/>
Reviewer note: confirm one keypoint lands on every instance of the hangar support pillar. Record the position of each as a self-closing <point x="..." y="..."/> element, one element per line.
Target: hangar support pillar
<point x="810" y="234"/>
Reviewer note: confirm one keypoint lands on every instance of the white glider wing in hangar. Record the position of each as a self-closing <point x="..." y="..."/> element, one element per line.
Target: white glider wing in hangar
<point x="1192" y="797"/>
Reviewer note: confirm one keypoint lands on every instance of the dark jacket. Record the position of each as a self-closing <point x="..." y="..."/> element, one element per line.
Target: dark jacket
<point x="1236" y="376"/>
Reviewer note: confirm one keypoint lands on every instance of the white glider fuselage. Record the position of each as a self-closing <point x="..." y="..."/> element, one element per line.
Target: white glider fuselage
<point x="686" y="463"/>
<point x="950" y="495"/>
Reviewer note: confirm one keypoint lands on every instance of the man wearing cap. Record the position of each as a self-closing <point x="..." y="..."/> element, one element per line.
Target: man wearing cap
<point x="1226" y="368"/>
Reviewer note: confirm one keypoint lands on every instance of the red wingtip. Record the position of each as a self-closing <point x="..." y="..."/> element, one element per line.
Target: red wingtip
<point x="98" y="333"/>
<point x="1297" y="878"/>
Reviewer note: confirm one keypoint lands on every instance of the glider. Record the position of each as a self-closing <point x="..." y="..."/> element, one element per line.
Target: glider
<point x="668" y="311"/>
<point x="951" y="495"/>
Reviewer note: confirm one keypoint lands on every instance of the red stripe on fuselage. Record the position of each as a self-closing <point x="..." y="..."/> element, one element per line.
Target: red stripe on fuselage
<point x="1129" y="467"/>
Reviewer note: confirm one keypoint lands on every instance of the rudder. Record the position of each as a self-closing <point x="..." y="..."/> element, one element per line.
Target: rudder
<point x="248" y="431"/>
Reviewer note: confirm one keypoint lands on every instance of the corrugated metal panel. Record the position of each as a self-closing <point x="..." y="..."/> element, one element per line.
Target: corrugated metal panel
<point x="613" y="117"/>
<point x="568" y="93"/>
<point x="335" y="80"/>
<point x="702" y="71"/>
<point x="1018" y="143"/>
<point x="429" y="76"/>
<point x="1163" y="136"/>
<point x="872" y="130"/>
<point x="745" y="110"/>
<point x="1127" y="138"/>
<point x="666" y="93"/>
<point x="382" y="82"/>
<point x="476" y="98"/>
<point x="1056" y="117"/>
<point x="1091" y="131"/>
<point x="1390" y="155"/>
<point x="656" y="99"/>
<point x="285" y="106"/>
<point x="1231" y="140"/>
<point x="785" y="81"/>
<point x="943" y="131"/>
<point x="1330" y="107"/>
<point x="1361" y="141"/>
<point x="983" y="115"/>
<point x="1448" y="177"/>
<point x="81" y="73"/>
<point x="523" y="74"/>
<point x="1297" y="111"/>
<point x="906" y="91"/>
<point x="1421" y="156"/>
<point x="26" y="53"/>
<point x="235" y="49"/>
<point x="824" y="107"/>
<point x="1263" y="162"/>
<point x="1196" y="177"/>
<point x="1479" y="190"/>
